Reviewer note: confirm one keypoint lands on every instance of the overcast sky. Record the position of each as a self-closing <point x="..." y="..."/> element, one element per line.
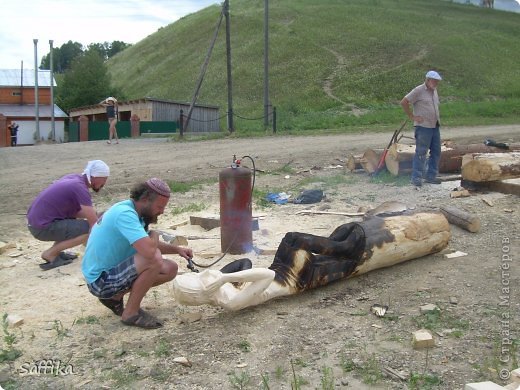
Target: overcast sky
<point x="83" y="21"/>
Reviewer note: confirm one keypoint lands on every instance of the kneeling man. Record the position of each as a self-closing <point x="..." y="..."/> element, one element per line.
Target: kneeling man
<point x="122" y="256"/>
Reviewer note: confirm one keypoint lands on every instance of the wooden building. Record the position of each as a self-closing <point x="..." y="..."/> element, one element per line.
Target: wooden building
<point x="204" y="118"/>
<point x="17" y="103"/>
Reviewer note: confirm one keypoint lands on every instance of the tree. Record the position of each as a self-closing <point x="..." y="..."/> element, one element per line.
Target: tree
<point x="68" y="52"/>
<point x="86" y="82"/>
<point x="62" y="57"/>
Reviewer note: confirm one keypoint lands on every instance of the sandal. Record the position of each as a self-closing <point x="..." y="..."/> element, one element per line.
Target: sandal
<point x="143" y="320"/>
<point x="68" y="256"/>
<point x="57" y="262"/>
<point x="117" y="307"/>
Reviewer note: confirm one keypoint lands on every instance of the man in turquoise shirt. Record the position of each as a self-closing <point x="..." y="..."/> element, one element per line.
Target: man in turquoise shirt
<point x="121" y="256"/>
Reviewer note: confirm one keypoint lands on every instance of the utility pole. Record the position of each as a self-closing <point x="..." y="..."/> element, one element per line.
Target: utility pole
<point x="228" y="57"/>
<point x="36" y="105"/>
<point x="266" y="64"/>
<point x="53" y="126"/>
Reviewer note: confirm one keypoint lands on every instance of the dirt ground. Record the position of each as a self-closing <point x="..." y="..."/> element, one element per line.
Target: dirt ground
<point x="325" y="338"/>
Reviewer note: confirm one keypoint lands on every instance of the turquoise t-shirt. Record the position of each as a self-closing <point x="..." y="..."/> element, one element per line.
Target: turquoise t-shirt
<point x="111" y="239"/>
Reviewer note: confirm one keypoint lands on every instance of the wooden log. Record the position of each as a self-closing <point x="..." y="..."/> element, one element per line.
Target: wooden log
<point x="481" y="167"/>
<point x="399" y="159"/>
<point x="451" y="157"/>
<point x="461" y="218"/>
<point x="369" y="160"/>
<point x="354" y="162"/>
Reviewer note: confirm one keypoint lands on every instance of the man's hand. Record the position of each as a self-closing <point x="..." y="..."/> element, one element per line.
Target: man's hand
<point x="187" y="253"/>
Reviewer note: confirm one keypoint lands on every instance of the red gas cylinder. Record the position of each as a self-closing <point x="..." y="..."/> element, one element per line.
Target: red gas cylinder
<point x="236" y="216"/>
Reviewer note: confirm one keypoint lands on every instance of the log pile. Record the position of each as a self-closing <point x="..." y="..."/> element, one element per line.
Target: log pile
<point x="483" y="166"/>
<point x="398" y="160"/>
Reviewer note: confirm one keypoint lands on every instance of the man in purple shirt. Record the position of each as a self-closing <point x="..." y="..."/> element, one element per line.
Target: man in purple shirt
<point x="63" y="213"/>
<point x="426" y="119"/>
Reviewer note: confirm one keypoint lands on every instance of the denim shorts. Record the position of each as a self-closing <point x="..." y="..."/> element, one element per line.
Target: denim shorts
<point x="116" y="280"/>
<point x="61" y="230"/>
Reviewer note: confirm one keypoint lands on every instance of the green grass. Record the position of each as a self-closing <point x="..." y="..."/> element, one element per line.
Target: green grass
<point x="424" y="381"/>
<point x="385" y="177"/>
<point x="87" y="320"/>
<point x="192" y="207"/>
<point x="437" y="320"/>
<point x="372" y="52"/>
<point x="183" y="187"/>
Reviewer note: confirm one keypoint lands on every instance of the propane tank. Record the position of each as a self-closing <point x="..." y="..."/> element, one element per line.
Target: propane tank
<point x="236" y="230"/>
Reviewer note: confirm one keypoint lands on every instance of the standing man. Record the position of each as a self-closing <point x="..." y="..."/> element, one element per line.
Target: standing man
<point x="426" y="119"/>
<point x="112" y="113"/>
<point x="13" y="129"/>
<point x="63" y="213"/>
<point x="122" y="256"/>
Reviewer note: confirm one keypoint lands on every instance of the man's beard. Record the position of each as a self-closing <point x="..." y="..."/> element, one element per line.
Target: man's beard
<point x="148" y="219"/>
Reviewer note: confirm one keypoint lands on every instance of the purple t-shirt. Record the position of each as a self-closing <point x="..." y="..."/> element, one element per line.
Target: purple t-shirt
<point x="61" y="200"/>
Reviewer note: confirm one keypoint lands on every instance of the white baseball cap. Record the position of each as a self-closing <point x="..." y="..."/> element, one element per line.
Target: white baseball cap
<point x="433" y="75"/>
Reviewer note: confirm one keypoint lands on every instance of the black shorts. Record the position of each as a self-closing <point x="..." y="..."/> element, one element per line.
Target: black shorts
<point x="61" y="230"/>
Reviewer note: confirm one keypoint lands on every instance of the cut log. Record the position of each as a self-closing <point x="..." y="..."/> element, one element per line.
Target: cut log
<point x="399" y="159"/>
<point x="369" y="160"/>
<point x="354" y="162"/>
<point x="461" y="218"/>
<point x="480" y="167"/>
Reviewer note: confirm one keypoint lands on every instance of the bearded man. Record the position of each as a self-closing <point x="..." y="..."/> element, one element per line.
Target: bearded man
<point x="63" y="213"/>
<point x="123" y="256"/>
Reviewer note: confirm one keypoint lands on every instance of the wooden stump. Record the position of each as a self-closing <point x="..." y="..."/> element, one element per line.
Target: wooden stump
<point x="480" y="167"/>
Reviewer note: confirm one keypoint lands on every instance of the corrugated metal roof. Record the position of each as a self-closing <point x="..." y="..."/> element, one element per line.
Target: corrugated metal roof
<point x="11" y="78"/>
<point x="28" y="111"/>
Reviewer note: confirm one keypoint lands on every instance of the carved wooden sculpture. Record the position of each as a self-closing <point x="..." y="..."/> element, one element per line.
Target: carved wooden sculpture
<point x="305" y="261"/>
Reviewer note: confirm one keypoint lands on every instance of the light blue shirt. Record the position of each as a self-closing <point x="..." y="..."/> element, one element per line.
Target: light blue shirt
<point x="111" y="239"/>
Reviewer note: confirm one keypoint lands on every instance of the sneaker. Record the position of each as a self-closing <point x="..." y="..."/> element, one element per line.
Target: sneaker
<point x="416" y="182"/>
<point x="435" y="180"/>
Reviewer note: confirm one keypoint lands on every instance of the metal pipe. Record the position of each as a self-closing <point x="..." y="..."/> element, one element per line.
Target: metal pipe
<point x="53" y="126"/>
<point x="36" y="105"/>
<point x="266" y="64"/>
<point x="228" y="57"/>
<point x="21" y="83"/>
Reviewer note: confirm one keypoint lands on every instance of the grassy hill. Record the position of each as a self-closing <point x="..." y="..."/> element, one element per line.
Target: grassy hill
<point x="335" y="64"/>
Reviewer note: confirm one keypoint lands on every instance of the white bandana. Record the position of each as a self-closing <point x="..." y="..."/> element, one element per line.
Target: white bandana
<point x="96" y="168"/>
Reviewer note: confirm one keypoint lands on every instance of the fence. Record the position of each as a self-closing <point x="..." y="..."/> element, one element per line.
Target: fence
<point x="99" y="130"/>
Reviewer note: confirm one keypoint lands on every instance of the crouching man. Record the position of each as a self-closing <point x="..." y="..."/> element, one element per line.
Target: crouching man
<point x="122" y="256"/>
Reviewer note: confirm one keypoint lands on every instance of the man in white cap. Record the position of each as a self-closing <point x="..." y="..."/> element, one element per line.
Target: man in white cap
<point x="426" y="119"/>
<point x="64" y="213"/>
<point x="123" y="256"/>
